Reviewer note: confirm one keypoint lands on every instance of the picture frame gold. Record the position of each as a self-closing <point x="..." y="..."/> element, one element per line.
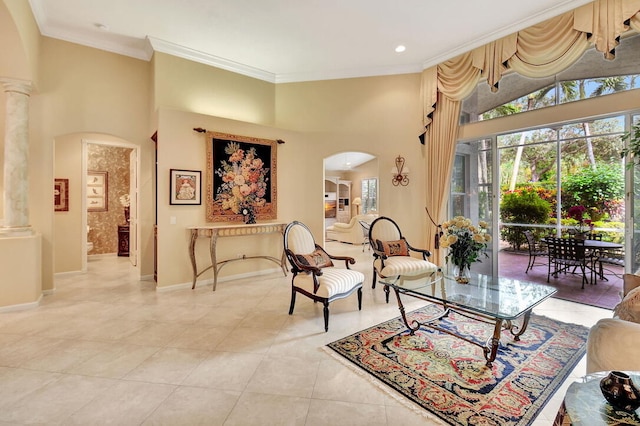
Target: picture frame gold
<point x="97" y="191"/>
<point x="241" y="178"/>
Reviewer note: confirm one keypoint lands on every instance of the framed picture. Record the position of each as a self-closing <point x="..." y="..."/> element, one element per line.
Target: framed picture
<point x="61" y="195"/>
<point x="185" y="187"/>
<point x="97" y="191"/>
<point x="241" y="178"/>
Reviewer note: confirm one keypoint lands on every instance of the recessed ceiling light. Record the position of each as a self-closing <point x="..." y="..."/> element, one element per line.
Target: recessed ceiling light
<point x="400" y="48"/>
<point x="102" y="27"/>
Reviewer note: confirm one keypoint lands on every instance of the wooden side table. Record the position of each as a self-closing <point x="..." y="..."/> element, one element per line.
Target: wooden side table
<point x="123" y="240"/>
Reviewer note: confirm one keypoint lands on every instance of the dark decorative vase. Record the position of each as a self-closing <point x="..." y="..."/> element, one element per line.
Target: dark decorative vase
<point x="620" y="391"/>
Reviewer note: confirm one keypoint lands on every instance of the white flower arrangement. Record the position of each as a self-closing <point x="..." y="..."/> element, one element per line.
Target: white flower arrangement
<point x="125" y="200"/>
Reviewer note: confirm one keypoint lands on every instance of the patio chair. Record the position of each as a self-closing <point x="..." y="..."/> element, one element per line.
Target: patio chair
<point x="566" y="254"/>
<point x="392" y="253"/>
<point x="536" y="249"/>
<point x="611" y="257"/>
<point x="314" y="274"/>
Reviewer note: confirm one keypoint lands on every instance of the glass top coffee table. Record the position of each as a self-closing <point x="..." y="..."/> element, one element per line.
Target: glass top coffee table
<point x="494" y="300"/>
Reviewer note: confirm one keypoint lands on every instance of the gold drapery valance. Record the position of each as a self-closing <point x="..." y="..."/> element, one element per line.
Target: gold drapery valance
<point x="539" y="51"/>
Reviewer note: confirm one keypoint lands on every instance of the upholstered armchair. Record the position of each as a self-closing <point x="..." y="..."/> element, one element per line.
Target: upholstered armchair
<point x="314" y="274"/>
<point x="392" y="253"/>
<point x="613" y="342"/>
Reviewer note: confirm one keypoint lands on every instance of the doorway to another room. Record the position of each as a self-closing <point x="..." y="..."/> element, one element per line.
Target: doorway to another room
<point x="110" y="171"/>
<point x="350" y="190"/>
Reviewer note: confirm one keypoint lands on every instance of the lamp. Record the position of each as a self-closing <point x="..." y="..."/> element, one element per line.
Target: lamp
<point x="357" y="202"/>
<point x="400" y="172"/>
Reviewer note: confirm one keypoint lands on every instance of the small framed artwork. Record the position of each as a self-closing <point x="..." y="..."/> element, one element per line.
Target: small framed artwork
<point x="97" y="191"/>
<point x="185" y="187"/>
<point x="61" y="195"/>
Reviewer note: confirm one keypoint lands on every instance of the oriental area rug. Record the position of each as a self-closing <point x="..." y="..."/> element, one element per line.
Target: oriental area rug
<point x="448" y="377"/>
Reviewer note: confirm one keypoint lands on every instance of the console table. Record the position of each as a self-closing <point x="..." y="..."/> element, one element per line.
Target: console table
<point x="215" y="232"/>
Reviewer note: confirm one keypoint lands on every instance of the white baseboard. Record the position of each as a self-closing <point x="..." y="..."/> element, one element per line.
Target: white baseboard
<point x="22" y="306"/>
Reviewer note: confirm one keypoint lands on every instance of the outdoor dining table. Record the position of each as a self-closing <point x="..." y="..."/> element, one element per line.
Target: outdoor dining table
<point x="598" y="247"/>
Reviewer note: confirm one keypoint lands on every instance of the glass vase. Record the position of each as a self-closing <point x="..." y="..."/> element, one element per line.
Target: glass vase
<point x="462" y="273"/>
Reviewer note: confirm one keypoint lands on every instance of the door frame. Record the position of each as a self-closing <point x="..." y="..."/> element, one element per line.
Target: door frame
<point x="129" y="145"/>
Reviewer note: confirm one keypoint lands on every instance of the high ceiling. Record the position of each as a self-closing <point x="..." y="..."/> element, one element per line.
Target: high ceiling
<point x="294" y="40"/>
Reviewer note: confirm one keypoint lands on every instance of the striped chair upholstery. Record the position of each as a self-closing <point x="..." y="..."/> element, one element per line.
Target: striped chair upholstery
<point x="384" y="229"/>
<point x="321" y="281"/>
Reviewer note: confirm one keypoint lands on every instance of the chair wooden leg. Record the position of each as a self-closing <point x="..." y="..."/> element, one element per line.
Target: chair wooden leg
<point x="293" y="301"/>
<point x="360" y="299"/>
<point x="326" y="315"/>
<point x="373" y="285"/>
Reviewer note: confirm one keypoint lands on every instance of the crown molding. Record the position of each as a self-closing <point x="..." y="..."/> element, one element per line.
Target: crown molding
<point x="204" y="58"/>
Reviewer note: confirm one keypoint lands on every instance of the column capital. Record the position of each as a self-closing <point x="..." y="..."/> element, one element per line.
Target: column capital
<point x="16" y="85"/>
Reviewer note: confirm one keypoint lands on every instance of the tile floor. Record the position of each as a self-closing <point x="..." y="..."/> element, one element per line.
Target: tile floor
<point x="107" y="348"/>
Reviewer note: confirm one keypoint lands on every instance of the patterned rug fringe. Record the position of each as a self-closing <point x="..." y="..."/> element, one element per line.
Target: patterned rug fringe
<point x="532" y="370"/>
<point x="383" y="387"/>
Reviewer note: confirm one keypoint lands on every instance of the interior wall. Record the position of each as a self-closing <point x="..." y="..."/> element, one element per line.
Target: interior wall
<point x="295" y="200"/>
<point x="377" y="115"/>
<point x="190" y="86"/>
<point x="103" y="225"/>
<point x="89" y="94"/>
<point x="70" y="235"/>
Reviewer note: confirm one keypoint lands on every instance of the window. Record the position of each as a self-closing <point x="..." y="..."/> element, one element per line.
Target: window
<point x="369" y="195"/>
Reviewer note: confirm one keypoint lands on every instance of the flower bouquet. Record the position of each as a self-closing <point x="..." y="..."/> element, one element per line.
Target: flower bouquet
<point x="581" y="216"/>
<point x="244" y="180"/>
<point x="465" y="242"/>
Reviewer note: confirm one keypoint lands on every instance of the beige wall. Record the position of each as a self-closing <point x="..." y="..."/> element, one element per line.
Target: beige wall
<point x="190" y="86"/>
<point x="295" y="200"/>
<point x="87" y="94"/>
<point x="376" y="115"/>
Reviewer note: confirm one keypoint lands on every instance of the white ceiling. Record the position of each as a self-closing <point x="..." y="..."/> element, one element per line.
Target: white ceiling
<point x="294" y="40"/>
<point x="346" y="161"/>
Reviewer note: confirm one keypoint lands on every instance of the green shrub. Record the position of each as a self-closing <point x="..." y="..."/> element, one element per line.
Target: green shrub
<point x="594" y="189"/>
<point x="522" y="206"/>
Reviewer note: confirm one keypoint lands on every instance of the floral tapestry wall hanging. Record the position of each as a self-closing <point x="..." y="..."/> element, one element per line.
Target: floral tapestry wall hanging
<point x="241" y="178"/>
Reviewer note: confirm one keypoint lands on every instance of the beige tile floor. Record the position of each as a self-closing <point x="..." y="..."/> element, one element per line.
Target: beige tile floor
<point x="107" y="348"/>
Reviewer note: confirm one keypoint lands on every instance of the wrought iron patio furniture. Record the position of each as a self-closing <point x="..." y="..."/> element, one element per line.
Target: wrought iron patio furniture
<point x="536" y="249"/>
<point x="569" y="254"/>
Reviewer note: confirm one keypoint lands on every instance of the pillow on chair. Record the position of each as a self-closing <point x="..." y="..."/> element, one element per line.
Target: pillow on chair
<point x="629" y="308"/>
<point x="318" y="259"/>
<point x="393" y="248"/>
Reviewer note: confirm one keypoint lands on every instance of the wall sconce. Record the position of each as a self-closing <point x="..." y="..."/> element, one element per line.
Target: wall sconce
<point x="400" y="173"/>
<point x="357" y="202"/>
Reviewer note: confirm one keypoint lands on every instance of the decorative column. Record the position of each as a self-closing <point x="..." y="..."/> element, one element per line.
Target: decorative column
<point x="16" y="158"/>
